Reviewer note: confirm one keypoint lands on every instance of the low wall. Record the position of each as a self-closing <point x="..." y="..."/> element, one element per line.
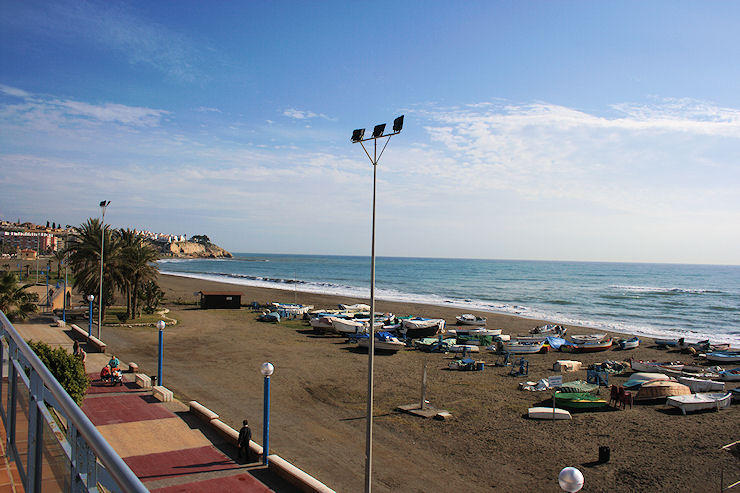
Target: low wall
<point x="295" y="476"/>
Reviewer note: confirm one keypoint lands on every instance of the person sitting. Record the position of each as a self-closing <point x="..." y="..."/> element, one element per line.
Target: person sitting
<point x="105" y="373"/>
<point x="114" y="363"/>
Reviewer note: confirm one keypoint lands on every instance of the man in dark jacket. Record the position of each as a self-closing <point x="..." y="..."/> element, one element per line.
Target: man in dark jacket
<point x="245" y="435"/>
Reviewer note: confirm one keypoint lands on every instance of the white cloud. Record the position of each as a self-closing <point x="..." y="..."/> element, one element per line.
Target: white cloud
<point x="13" y="91"/>
<point x="303" y="115"/>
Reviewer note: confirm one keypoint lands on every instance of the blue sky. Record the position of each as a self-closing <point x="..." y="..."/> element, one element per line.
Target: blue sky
<point x="538" y="130"/>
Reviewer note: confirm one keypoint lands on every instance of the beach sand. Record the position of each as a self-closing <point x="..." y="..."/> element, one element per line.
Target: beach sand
<point x="319" y="402"/>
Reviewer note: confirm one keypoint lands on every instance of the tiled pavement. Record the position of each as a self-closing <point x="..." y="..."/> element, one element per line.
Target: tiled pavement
<point x="160" y="442"/>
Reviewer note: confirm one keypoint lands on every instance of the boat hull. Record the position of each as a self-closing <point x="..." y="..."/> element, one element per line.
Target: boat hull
<point x="548" y="413"/>
<point x="700" y="402"/>
<point x="587" y="347"/>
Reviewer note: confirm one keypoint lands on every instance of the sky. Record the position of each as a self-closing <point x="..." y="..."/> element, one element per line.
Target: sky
<point x="559" y="130"/>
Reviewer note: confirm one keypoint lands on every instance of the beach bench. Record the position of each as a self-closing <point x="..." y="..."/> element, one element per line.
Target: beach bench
<point x="143" y="381"/>
<point x="162" y="394"/>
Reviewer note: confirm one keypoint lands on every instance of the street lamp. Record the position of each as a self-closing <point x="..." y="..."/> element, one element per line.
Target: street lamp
<point x="160" y="326"/>
<point x="267" y="370"/>
<point x="90" y="298"/>
<point x="358" y="136"/>
<point x="103" y="205"/>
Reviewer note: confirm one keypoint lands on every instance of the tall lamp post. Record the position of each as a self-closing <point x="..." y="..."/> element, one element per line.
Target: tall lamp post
<point x="160" y="326"/>
<point x="267" y="370"/>
<point x="103" y="205"/>
<point x="90" y="298"/>
<point x="358" y="136"/>
<point x="20" y="272"/>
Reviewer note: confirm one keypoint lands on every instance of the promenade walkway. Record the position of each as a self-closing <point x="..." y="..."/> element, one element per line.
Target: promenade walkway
<point x="163" y="443"/>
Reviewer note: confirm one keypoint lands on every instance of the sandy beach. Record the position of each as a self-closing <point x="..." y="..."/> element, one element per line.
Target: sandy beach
<point x="318" y="405"/>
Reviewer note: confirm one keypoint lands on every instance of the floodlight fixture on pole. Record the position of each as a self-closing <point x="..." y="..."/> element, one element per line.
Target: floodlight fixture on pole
<point x="103" y="205"/>
<point x="358" y="136"/>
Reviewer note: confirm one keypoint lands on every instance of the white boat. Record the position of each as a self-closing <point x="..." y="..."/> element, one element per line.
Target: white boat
<point x="464" y="348"/>
<point x="638" y="379"/>
<point x="357" y="307"/>
<point x="656" y="366"/>
<point x="629" y="343"/>
<point x="470" y="319"/>
<point x="353" y="326"/>
<point x="549" y="330"/>
<point x="730" y="375"/>
<point x="701" y="385"/>
<point x="583" y="338"/>
<point x="475" y="332"/>
<point x="724" y="356"/>
<point x="292" y="309"/>
<point x="517" y="346"/>
<point x="698" y="402"/>
<point x="419" y="327"/>
<point x="388" y="343"/>
<point x="548" y="413"/>
<point x="324" y="322"/>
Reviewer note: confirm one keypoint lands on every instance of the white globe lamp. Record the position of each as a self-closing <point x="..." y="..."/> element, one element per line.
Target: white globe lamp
<point x="571" y="479"/>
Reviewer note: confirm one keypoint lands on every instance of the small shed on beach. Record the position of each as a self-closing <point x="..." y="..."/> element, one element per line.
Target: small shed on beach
<point x="220" y="299"/>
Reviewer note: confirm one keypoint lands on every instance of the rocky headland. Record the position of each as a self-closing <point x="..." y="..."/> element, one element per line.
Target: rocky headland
<point x="191" y="249"/>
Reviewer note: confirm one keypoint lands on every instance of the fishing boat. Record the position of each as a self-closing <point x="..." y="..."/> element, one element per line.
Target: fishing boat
<point x="463" y="348"/>
<point x="724" y="356"/>
<point x="419" y="327"/>
<point x="730" y="375"/>
<point x="357" y="307"/>
<point x="582" y="338"/>
<point x="579" y="400"/>
<point x="698" y="402"/>
<point x="704" y="345"/>
<point x="384" y="341"/>
<point x="353" y="326"/>
<point x="470" y="319"/>
<point x="292" y="309"/>
<point x="660" y="389"/>
<point x="657" y="366"/>
<point x="625" y="344"/>
<point x="666" y="342"/>
<point x="548" y="413"/>
<point x="638" y="379"/>
<point x="549" y="330"/>
<point x="518" y="346"/>
<point x="269" y="317"/>
<point x="475" y="332"/>
<point x="701" y="385"/>
<point x="587" y="347"/>
<point x="322" y="323"/>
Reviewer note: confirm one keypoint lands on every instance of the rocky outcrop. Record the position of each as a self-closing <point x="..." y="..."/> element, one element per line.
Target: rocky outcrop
<point x="191" y="249"/>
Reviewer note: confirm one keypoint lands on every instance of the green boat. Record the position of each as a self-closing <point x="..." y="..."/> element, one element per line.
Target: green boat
<point x="578" y="400"/>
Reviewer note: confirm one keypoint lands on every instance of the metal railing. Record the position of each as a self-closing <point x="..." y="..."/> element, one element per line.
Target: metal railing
<point x="48" y="436"/>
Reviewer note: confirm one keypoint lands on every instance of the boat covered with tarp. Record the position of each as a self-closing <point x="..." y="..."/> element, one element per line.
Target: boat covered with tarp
<point x="699" y="402"/>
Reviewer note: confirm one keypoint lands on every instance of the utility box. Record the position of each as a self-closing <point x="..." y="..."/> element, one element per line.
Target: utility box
<point x="220" y="299"/>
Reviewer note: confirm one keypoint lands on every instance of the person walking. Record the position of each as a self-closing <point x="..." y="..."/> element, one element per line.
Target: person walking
<point x="245" y="435"/>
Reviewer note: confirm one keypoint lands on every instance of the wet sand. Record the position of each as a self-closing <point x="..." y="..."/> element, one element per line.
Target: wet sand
<point x="319" y="400"/>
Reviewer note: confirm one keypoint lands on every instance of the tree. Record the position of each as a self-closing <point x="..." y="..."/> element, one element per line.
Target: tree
<point x="59" y="256"/>
<point x="15" y="301"/>
<point x="47" y="224"/>
<point x="137" y="266"/>
<point x="67" y="368"/>
<point x="84" y="260"/>
<point x="151" y="295"/>
<point x="202" y="239"/>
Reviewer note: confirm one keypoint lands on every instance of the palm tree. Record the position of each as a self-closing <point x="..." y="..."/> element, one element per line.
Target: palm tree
<point x="15" y="301"/>
<point x="136" y="265"/>
<point x="59" y="256"/>
<point x="84" y="259"/>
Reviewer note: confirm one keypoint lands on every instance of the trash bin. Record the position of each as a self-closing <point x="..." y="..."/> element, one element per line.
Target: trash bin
<point x="604" y="454"/>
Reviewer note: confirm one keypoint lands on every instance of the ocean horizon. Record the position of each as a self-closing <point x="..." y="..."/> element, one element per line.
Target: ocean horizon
<point x="695" y="301"/>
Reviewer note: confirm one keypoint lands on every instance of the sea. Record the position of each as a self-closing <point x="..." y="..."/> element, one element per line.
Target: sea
<point x="696" y="302"/>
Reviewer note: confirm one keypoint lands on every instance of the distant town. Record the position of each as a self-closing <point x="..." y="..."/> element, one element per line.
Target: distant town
<point x="28" y="240"/>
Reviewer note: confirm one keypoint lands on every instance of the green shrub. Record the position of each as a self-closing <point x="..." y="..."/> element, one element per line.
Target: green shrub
<point x="66" y="368"/>
<point x="123" y="317"/>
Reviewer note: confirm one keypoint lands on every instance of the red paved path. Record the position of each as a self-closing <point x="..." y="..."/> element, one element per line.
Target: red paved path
<point x="112" y="409"/>
<point x="229" y="484"/>
<point x="178" y="463"/>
